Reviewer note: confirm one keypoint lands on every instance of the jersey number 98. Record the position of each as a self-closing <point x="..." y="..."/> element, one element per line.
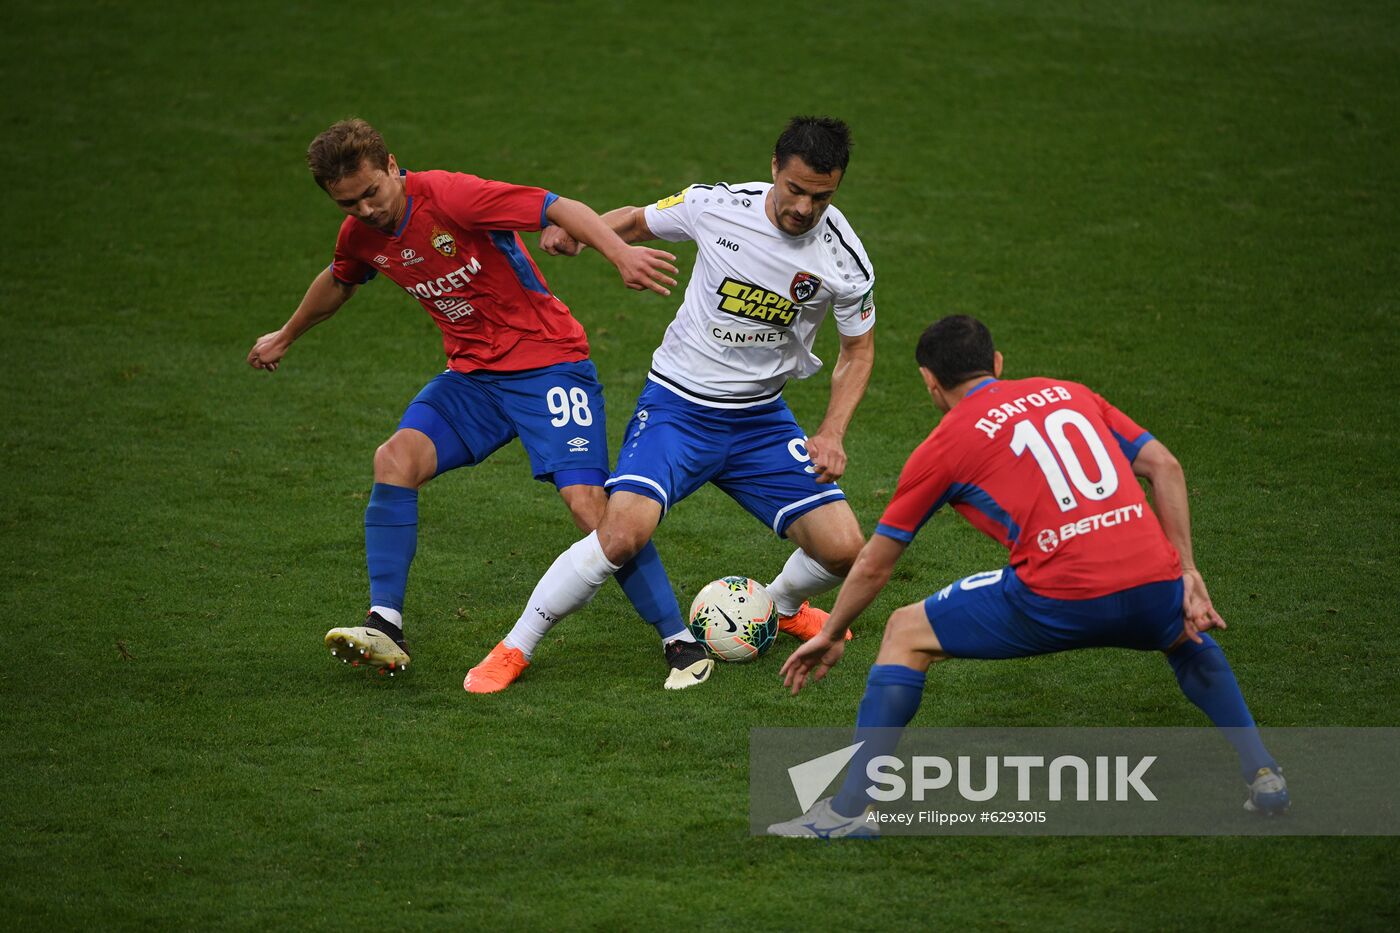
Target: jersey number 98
<point x="568" y="406"/>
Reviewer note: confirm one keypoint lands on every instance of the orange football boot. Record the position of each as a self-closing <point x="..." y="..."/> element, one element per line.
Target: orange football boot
<point x="805" y="622"/>
<point x="497" y="671"/>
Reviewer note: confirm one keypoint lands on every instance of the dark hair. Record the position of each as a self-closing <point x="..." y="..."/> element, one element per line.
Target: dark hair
<point x="824" y="143"/>
<point x="956" y="349"/>
<point x="342" y="149"/>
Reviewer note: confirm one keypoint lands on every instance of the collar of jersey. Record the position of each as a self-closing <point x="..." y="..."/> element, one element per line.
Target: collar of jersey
<point x="407" y="212"/>
<point x="980" y="386"/>
<point x="788" y="236"/>
<point x="407" y="208"/>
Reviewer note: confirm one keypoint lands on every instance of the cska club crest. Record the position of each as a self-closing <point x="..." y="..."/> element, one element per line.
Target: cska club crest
<point x="804" y="286"/>
<point x="443" y="242"/>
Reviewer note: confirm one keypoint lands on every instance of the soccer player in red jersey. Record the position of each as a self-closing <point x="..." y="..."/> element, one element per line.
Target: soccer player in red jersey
<point x="1049" y="469"/>
<point x="517" y="360"/>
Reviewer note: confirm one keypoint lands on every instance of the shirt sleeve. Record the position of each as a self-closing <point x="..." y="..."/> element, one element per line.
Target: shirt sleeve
<point x="855" y="310"/>
<point x="672" y="219"/>
<point x="1130" y="436"/>
<point x="922" y="490"/>
<point x="482" y="204"/>
<point x="347" y="269"/>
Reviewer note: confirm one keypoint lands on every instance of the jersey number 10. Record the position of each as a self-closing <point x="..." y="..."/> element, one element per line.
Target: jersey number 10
<point x="1028" y="437"/>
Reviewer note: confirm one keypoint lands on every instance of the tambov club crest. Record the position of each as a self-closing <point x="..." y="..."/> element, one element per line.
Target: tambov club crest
<point x="804" y="286"/>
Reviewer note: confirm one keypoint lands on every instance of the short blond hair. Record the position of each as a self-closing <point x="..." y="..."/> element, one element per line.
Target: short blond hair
<point x="342" y="149"/>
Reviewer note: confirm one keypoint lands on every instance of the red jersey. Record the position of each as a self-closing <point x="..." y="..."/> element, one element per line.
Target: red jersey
<point x="458" y="253"/>
<point x="1044" y="466"/>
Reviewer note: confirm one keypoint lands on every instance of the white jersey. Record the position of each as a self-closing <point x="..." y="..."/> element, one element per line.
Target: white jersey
<point x="756" y="295"/>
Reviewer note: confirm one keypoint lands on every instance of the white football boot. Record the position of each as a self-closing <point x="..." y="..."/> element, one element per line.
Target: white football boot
<point x="822" y="822"/>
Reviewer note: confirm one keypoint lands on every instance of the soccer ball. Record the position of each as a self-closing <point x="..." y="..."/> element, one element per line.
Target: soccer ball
<point x="735" y="618"/>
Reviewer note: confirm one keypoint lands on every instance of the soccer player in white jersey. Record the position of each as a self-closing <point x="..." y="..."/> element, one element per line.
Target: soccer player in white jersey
<point x="773" y="260"/>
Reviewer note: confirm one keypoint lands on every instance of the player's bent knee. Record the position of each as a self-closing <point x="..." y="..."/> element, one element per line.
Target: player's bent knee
<point x="909" y="638"/>
<point x="587" y="504"/>
<point x="406" y="459"/>
<point x="840" y="556"/>
<point x="627" y="525"/>
<point x="621" y="543"/>
<point x="903" y="627"/>
<point x="830" y="536"/>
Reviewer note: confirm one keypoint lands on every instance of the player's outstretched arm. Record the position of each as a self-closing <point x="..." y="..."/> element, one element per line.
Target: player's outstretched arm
<point x="629" y="223"/>
<point x="1164" y="474"/>
<point x="322" y="299"/>
<point x="641" y="267"/>
<point x="867" y="578"/>
<point x="849" y="377"/>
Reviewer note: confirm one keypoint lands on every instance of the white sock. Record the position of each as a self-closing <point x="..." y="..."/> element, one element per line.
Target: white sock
<point x="571" y="581"/>
<point x="389" y="615"/>
<point x="683" y="635"/>
<point x="801" y="579"/>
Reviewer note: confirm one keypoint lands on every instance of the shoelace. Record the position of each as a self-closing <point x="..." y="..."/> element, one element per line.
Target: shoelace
<point x="678" y="649"/>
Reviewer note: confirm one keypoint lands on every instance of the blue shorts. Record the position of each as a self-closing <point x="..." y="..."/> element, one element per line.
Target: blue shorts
<point x="993" y="616"/>
<point x="758" y="456"/>
<point x="556" y="411"/>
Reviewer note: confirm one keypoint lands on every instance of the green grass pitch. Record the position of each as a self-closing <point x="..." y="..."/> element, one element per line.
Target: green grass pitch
<point x="1191" y="206"/>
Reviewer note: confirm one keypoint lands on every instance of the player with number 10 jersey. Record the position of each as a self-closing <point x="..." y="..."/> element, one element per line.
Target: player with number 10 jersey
<point x="1049" y="469"/>
<point x="1043" y="466"/>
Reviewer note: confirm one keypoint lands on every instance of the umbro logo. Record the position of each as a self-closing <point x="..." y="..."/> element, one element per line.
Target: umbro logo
<point x="382" y="260"/>
<point x="578" y="445"/>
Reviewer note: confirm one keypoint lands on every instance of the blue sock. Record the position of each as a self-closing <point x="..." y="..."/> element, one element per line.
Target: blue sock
<point x="644" y="581"/>
<point x="1206" y="679"/>
<point x="892" y="695"/>
<point x="391" y="538"/>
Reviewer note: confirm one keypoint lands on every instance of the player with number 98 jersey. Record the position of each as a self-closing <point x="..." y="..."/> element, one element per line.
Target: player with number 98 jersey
<point x="1044" y="466"/>
<point x="517" y="360"/>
